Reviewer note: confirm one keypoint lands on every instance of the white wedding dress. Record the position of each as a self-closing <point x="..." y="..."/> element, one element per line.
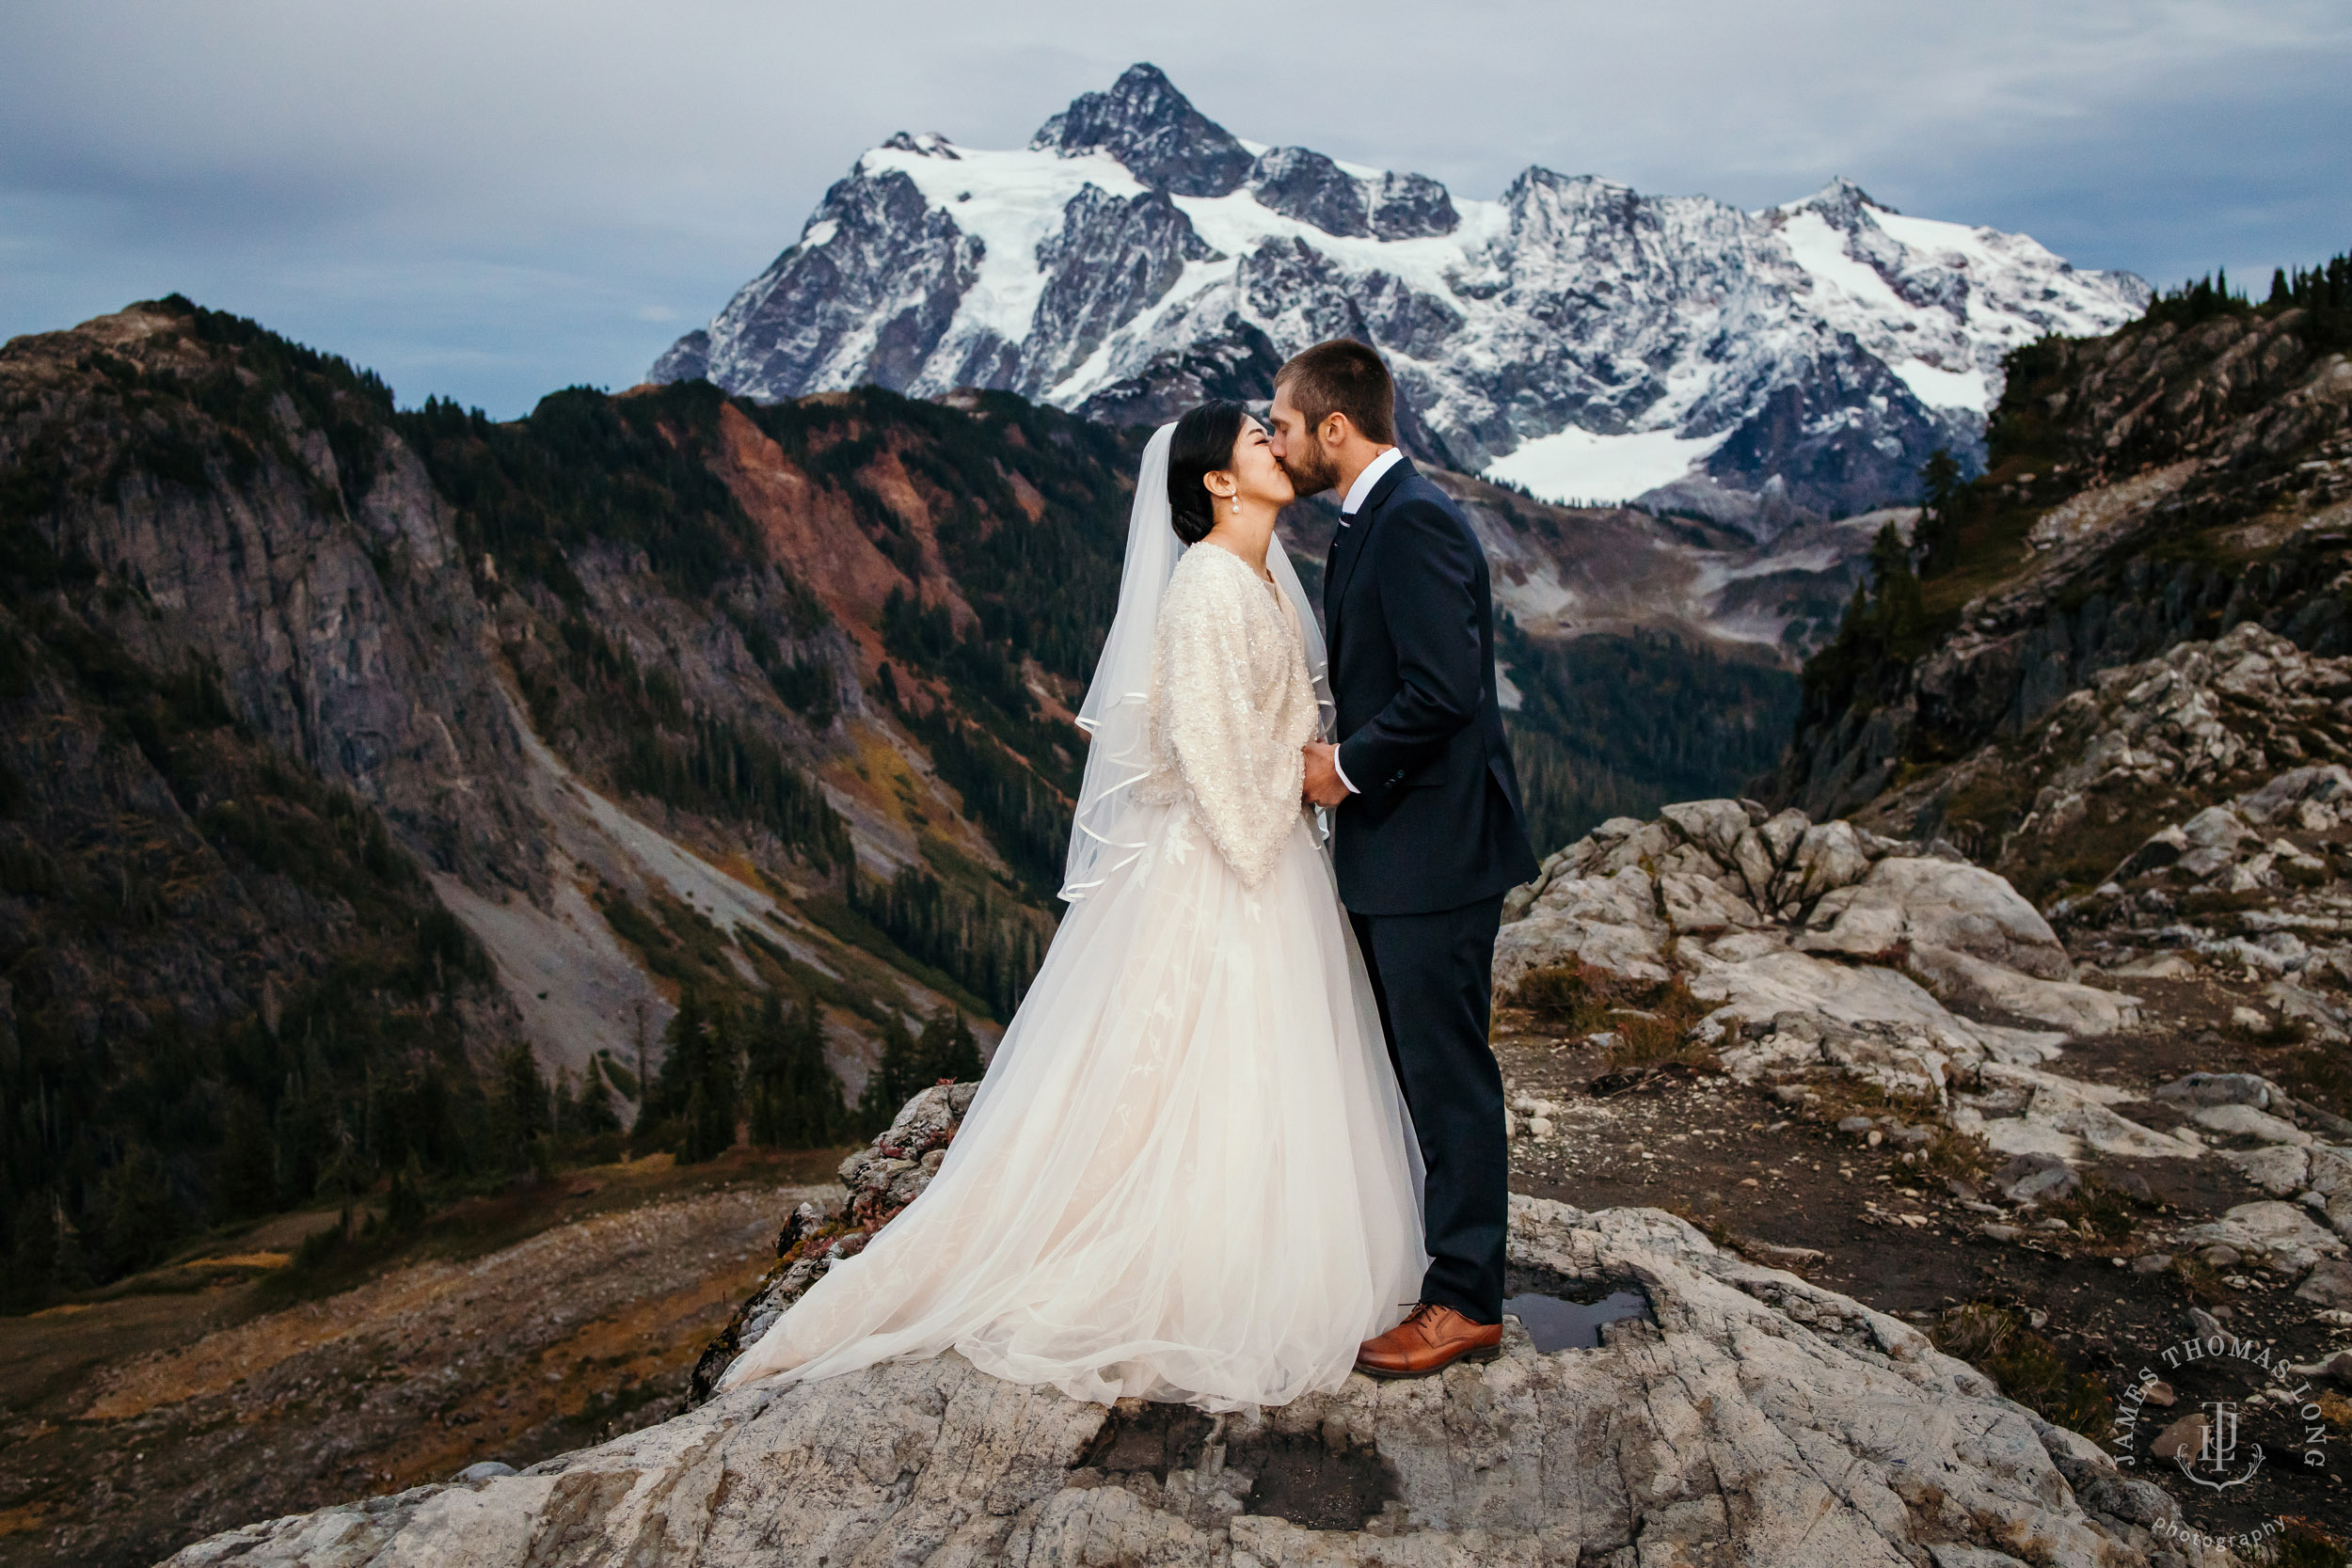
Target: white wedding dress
<point x="1189" y="1173"/>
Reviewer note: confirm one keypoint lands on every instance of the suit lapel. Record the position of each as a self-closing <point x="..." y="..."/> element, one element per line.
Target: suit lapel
<point x="1348" y="547"/>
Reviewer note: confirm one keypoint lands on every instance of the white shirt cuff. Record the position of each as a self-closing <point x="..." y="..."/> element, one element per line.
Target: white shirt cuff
<point x="1343" y="772"/>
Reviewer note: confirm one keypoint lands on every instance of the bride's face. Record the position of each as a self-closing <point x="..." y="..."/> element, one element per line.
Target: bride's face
<point x="1255" y="473"/>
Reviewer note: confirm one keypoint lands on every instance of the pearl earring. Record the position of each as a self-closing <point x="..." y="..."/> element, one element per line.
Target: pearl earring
<point x="1237" y="503"/>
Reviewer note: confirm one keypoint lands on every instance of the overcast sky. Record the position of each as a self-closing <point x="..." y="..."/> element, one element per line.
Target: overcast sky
<point x="489" y="199"/>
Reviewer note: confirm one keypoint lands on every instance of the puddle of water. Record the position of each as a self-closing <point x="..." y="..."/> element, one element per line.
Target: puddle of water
<point x="1556" y="1323"/>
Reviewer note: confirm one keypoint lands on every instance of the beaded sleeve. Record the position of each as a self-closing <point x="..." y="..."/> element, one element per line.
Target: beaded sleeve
<point x="1232" y="705"/>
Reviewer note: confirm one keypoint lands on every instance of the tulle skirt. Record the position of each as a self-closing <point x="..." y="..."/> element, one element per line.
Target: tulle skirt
<point x="1188" y="1174"/>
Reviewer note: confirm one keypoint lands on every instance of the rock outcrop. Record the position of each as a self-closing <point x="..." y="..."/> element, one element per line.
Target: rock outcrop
<point x="1759" y="1420"/>
<point x="882" y="1178"/>
<point x="1764" y="914"/>
<point x="1822" y="955"/>
<point x="2172" y="483"/>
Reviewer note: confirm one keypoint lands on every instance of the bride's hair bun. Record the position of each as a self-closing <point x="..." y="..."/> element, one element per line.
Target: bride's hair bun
<point x="1204" y="444"/>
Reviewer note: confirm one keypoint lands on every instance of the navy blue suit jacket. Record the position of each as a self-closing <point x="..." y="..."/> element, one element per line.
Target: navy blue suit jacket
<point x="1408" y="612"/>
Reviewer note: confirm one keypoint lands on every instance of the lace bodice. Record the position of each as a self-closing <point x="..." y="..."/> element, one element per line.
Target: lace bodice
<point x="1231" y="706"/>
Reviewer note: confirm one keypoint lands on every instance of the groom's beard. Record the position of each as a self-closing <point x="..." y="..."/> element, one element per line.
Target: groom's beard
<point x="1311" y="473"/>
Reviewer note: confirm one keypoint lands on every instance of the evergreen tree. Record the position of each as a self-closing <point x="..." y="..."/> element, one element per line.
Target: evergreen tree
<point x="715" y="1101"/>
<point x="595" y="1112"/>
<point x="764" y="1098"/>
<point x="520" y="1106"/>
<point x="815" y="1088"/>
<point x="894" y="1081"/>
<point x="141" y="1217"/>
<point x="794" y="1096"/>
<point x="1943" y="500"/>
<point x="563" y="1104"/>
<point x="405" y="1208"/>
<point x="692" y="1103"/>
<point x="949" y="1053"/>
<point x="664" y="1090"/>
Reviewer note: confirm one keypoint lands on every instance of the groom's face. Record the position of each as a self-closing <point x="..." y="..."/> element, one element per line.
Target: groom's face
<point x="1297" y="450"/>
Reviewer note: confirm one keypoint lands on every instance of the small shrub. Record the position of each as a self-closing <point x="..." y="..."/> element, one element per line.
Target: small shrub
<point x="1656" y="1036"/>
<point x="2097" y="1209"/>
<point x="2198" y="1277"/>
<point x="1572" y="998"/>
<point x="1709" y="1225"/>
<point x="1960" y="1155"/>
<point x="2303" y="1546"/>
<point x="1996" y="1341"/>
<point x="1864" y="1097"/>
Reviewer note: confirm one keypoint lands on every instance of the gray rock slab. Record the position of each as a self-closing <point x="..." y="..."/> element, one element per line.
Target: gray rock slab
<point x="1761" y="1419"/>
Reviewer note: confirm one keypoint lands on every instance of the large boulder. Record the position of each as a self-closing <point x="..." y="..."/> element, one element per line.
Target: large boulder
<point x="1766" y="913"/>
<point x="1760" y="1419"/>
<point x="1912" y="903"/>
<point x="1821" y="951"/>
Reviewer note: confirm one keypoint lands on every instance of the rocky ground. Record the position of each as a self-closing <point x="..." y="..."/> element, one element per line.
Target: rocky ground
<point x="515" y="1327"/>
<point x="1759" y="1420"/>
<point x="1871" y="1062"/>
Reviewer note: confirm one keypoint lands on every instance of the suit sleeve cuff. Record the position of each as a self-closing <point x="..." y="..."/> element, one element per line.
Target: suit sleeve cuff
<point x="1343" y="772"/>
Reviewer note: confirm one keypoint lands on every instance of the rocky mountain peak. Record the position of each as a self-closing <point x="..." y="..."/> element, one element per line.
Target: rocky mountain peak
<point x="1145" y="123"/>
<point x="1299" y="182"/>
<point x="1572" y="336"/>
<point x="1842" y="202"/>
<point x="931" y="144"/>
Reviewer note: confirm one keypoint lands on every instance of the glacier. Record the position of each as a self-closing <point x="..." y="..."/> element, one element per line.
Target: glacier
<point x="1570" y="336"/>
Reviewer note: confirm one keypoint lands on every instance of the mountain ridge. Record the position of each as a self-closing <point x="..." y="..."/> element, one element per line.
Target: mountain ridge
<point x="1570" y="334"/>
<point x="2150" y="490"/>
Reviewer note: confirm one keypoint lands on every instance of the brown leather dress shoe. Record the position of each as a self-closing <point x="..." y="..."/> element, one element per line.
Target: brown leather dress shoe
<point x="1431" y="1339"/>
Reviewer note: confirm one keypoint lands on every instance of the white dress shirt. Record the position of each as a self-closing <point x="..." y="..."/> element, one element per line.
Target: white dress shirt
<point x="1365" y="480"/>
<point x="1348" y="507"/>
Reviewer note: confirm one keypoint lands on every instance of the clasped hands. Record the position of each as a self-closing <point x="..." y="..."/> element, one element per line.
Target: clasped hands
<point x="1322" y="787"/>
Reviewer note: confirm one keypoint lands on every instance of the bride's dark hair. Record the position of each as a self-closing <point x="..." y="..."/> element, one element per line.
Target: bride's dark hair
<point x="1203" y="443"/>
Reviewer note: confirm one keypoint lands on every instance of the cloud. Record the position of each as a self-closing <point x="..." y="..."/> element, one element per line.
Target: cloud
<point x="492" y="199"/>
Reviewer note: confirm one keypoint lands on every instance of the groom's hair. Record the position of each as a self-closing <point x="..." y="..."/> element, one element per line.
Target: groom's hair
<point x="1342" y="377"/>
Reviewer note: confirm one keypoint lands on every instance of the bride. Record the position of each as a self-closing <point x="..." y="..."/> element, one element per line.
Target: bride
<point x="1188" y="1174"/>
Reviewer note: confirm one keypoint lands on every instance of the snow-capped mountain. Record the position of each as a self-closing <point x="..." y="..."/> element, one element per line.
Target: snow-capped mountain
<point x="1571" y="336"/>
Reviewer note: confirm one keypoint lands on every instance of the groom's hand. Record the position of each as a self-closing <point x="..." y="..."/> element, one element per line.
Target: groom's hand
<point x="1323" y="785"/>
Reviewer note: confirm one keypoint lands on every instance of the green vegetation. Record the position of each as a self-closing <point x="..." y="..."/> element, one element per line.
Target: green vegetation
<point x="1971" y="535"/>
<point x="1649" y="1023"/>
<point x="944" y="1053"/>
<point x="793" y="1098"/>
<point x="979" y="940"/>
<point x="1619" y="726"/>
<point x="2028" y="1368"/>
<point x="584" y="468"/>
<point x="634" y="474"/>
<point x="2325" y="290"/>
<point x="724" y="1066"/>
<point x="1027" y="509"/>
<point x="126" y="1124"/>
<point x="723" y="770"/>
<point x="1886" y="625"/>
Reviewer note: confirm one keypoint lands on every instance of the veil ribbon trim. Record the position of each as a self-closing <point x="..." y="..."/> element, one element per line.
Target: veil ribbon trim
<point x="1103" y="838"/>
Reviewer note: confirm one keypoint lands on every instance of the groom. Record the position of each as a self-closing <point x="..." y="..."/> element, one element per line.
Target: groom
<point x="1426" y="826"/>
